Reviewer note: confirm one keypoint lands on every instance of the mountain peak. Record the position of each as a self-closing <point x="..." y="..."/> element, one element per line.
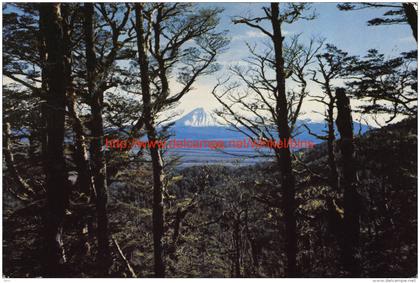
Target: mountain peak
<point x="199" y="117"/>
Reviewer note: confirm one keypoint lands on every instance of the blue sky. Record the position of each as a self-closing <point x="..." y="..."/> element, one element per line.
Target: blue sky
<point x="347" y="30"/>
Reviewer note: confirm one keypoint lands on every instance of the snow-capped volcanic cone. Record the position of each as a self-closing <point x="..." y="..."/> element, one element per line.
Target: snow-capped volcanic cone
<point x="199" y="117"/>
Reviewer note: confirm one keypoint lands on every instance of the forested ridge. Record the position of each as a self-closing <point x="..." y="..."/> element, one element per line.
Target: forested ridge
<point x="75" y="74"/>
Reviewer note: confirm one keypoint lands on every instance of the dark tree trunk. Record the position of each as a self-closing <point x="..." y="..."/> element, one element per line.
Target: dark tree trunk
<point x="179" y="217"/>
<point x="99" y="176"/>
<point x="285" y="161"/>
<point x="411" y="14"/>
<point x="351" y="197"/>
<point x="157" y="163"/>
<point x="85" y="181"/>
<point x="81" y="153"/>
<point x="57" y="183"/>
<point x="237" y="242"/>
<point x="42" y="105"/>
<point x="333" y="175"/>
<point x="332" y="166"/>
<point x="97" y="131"/>
<point x="253" y="248"/>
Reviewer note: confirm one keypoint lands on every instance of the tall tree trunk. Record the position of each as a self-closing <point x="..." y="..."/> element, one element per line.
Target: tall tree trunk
<point x="157" y="163"/>
<point x="97" y="130"/>
<point x="253" y="246"/>
<point x="237" y="246"/>
<point x="285" y="161"/>
<point x="351" y="197"/>
<point x="57" y="183"/>
<point x="333" y="175"/>
<point x="42" y="105"/>
<point x="332" y="166"/>
<point x="158" y="188"/>
<point x="81" y="153"/>
<point x="411" y="14"/>
<point x="85" y="180"/>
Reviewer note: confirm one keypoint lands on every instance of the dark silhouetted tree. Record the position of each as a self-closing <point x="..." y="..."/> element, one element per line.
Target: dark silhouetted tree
<point x="278" y="113"/>
<point x="387" y="86"/>
<point x="347" y="182"/>
<point x="57" y="185"/>
<point x="331" y="66"/>
<point x="397" y="13"/>
<point x="162" y="47"/>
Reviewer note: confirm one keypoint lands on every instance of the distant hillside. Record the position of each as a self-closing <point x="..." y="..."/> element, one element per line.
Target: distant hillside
<point x="201" y="124"/>
<point x="382" y="143"/>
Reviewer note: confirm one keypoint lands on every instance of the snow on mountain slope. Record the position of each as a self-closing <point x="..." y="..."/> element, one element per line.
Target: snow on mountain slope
<point x="199" y="117"/>
<point x="202" y="124"/>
